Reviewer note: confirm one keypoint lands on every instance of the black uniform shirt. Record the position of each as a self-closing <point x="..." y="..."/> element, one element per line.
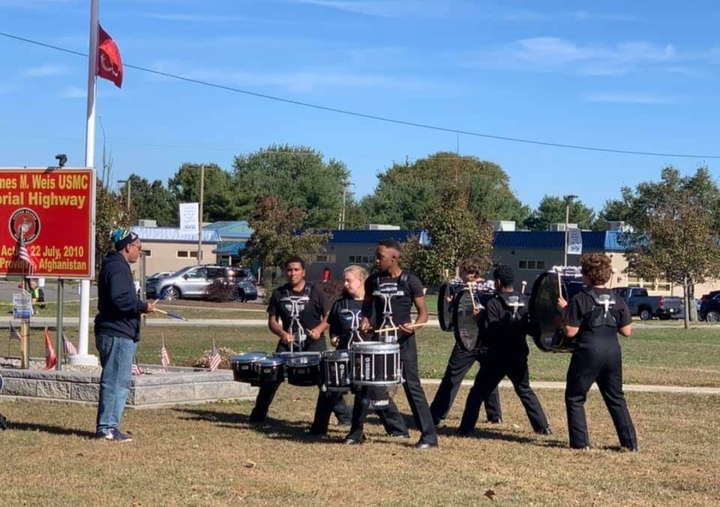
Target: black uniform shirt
<point x="311" y="313"/>
<point x="344" y="311"/>
<point x="499" y="330"/>
<point x="402" y="305"/>
<point x="583" y="308"/>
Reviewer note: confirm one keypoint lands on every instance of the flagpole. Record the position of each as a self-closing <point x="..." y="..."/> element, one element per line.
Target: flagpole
<point x="82" y="356"/>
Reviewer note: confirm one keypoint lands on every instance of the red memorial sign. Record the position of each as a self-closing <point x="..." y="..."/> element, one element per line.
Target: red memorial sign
<point x="47" y="222"/>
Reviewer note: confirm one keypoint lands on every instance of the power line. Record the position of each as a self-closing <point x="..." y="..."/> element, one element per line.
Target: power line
<point x="356" y="114"/>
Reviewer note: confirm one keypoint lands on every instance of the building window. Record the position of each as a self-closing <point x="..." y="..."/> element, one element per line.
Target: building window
<point x="147" y="253"/>
<point x="360" y="259"/>
<point x="187" y="254"/>
<point x="329" y="258"/>
<point x="534" y="265"/>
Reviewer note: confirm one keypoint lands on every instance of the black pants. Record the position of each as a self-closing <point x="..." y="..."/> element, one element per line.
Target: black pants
<point x="499" y="364"/>
<point x="600" y="362"/>
<point x="458" y="365"/>
<point x="413" y="391"/>
<point x="390" y="416"/>
<point x="328" y="403"/>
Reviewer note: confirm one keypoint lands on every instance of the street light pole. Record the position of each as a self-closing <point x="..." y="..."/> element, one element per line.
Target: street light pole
<point x="568" y="201"/>
<point x="200" y="212"/>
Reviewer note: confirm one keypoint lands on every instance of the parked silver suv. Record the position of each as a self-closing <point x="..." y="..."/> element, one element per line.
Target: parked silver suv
<point x="191" y="282"/>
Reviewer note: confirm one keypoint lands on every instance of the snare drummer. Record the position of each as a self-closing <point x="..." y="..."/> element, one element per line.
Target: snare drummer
<point x="410" y="292"/>
<point x="596" y="356"/>
<point x="344" y="323"/>
<point x="461" y="361"/>
<point x="312" y="307"/>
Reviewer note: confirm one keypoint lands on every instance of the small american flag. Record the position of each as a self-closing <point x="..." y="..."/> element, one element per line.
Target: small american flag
<point x="14" y="335"/>
<point x="214" y="358"/>
<point x="24" y="254"/>
<point x="50" y="355"/>
<point x="136" y="367"/>
<point x="68" y="348"/>
<point x="164" y="356"/>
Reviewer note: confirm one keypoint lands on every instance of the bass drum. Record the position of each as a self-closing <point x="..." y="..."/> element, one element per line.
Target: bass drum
<point x="545" y="320"/>
<point x="444" y="308"/>
<point x="465" y="326"/>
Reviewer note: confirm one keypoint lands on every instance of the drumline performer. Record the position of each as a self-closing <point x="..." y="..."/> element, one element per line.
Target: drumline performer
<point x="391" y="292"/>
<point x="297" y="314"/>
<point x="504" y="331"/>
<point x="344" y="321"/>
<point x="594" y="317"/>
<point x="462" y="360"/>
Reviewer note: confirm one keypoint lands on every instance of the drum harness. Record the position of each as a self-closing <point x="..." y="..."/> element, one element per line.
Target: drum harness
<point x="296" y="327"/>
<point x="354" y="318"/>
<point x="605" y="318"/>
<point x="387" y="293"/>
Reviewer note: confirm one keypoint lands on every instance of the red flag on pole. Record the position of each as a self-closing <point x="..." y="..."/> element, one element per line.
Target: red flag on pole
<point x="110" y="64"/>
<point x="50" y="355"/>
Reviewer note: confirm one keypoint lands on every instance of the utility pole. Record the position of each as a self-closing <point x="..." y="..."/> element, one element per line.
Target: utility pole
<point x="200" y="214"/>
<point x="128" y="187"/>
<point x="568" y="200"/>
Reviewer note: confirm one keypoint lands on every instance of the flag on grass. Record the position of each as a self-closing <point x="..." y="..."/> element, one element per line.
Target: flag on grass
<point x="214" y="358"/>
<point x="68" y="348"/>
<point x="164" y="356"/>
<point x="50" y="355"/>
<point x="25" y="255"/>
<point x="136" y="367"/>
<point x="14" y="334"/>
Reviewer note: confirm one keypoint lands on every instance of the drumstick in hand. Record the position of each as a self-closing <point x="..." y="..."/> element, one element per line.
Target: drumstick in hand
<point x="387" y="329"/>
<point x="524" y="284"/>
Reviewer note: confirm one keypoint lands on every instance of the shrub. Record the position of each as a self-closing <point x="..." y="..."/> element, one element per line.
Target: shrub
<point x="220" y="291"/>
<point x="225" y="356"/>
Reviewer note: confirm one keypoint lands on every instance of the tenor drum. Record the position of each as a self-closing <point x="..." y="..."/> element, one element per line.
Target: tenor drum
<point x="242" y="366"/>
<point x="336" y="370"/>
<point x="546" y="321"/>
<point x="444" y="310"/>
<point x="465" y="326"/>
<point x="302" y="368"/>
<point x="269" y="370"/>
<point x="376" y="364"/>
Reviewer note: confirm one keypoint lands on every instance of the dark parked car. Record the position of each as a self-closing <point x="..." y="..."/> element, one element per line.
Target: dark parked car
<point x="710" y="307"/>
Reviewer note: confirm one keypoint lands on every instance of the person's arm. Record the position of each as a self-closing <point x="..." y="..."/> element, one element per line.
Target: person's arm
<point x="274" y="323"/>
<point x="126" y="300"/>
<point x="367" y="306"/>
<point x="624" y="320"/>
<point x="323" y="307"/>
<point x="418" y="298"/>
<point x="573" y="317"/>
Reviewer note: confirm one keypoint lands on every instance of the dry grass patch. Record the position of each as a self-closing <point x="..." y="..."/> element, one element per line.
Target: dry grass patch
<point x="210" y="455"/>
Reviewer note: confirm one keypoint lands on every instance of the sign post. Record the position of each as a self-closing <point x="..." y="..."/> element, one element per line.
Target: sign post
<point x="47" y="227"/>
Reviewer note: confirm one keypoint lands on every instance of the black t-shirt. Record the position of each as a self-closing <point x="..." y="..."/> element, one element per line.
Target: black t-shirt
<point x="502" y="328"/>
<point x="311" y="309"/>
<point x="345" y="315"/>
<point x="583" y="309"/>
<point x="400" y="304"/>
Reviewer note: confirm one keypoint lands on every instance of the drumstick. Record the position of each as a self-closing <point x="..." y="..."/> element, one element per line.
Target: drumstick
<point x="524" y="284"/>
<point x="387" y="329"/>
<point x="559" y="284"/>
<point x="471" y="288"/>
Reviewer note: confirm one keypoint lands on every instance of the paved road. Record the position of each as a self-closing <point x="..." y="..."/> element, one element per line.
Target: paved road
<point x="71" y="292"/>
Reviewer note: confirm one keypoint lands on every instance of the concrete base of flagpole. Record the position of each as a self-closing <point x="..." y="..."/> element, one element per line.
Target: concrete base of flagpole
<point x="83" y="360"/>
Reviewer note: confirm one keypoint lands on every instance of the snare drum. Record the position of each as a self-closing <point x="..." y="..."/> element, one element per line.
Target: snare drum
<point x="269" y="370"/>
<point x="336" y="370"/>
<point x="302" y="368"/>
<point x="376" y="364"/>
<point x="242" y="366"/>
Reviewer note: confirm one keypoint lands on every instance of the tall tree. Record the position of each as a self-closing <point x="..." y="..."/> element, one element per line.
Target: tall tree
<point x="676" y="228"/>
<point x="152" y="201"/>
<point x="453" y="233"/>
<point x="110" y="213"/>
<point x="277" y="233"/>
<point x="613" y="210"/>
<point x="552" y="210"/>
<point x="219" y="199"/>
<point x="405" y="190"/>
<point x="300" y="175"/>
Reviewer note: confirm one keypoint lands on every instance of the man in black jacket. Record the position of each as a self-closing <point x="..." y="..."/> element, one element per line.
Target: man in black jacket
<point x="117" y="331"/>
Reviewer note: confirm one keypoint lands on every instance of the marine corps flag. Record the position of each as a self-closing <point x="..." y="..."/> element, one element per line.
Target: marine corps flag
<point x="109" y="64"/>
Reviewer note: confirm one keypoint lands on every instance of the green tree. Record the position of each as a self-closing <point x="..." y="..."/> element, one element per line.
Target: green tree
<point x="152" y="201"/>
<point x="675" y="231"/>
<point x="405" y="190"/>
<point x="110" y="213"/>
<point x="613" y="210"/>
<point x="277" y="233"/>
<point x="219" y="199"/>
<point x="453" y="233"/>
<point x="300" y="175"/>
<point x="552" y="210"/>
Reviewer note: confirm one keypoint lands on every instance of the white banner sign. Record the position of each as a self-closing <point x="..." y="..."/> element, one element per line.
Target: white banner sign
<point x="189" y="213"/>
<point x="574" y="242"/>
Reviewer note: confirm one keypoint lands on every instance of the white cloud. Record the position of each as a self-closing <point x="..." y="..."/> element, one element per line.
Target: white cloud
<point x="629" y="98"/>
<point x="554" y="54"/>
<point x="46" y="71"/>
<point x="585" y="15"/>
<point x="389" y="8"/>
<point x="73" y="92"/>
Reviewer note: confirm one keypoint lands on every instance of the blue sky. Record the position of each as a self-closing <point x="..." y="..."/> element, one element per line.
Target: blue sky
<point x="640" y="76"/>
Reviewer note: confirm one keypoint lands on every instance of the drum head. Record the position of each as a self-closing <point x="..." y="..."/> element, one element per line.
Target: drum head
<point x="546" y="322"/>
<point x="1" y="382"/>
<point x="443" y="308"/>
<point x="464" y="323"/>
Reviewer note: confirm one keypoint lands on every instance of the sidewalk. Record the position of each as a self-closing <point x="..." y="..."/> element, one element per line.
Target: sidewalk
<point x="639" y="388"/>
